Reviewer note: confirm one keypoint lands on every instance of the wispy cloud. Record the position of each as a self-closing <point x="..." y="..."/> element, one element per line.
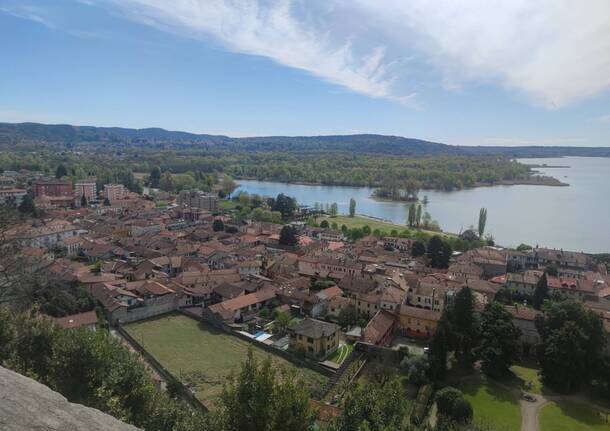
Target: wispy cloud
<point x="273" y="30"/>
<point x="29" y="12"/>
<point x="552" y="52"/>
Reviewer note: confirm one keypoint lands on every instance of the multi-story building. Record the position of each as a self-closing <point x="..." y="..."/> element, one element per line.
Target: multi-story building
<point x="53" y="188"/>
<point x="315" y="337"/>
<point x="11" y="196"/>
<point x="198" y="199"/>
<point x="114" y="192"/>
<point x="86" y="188"/>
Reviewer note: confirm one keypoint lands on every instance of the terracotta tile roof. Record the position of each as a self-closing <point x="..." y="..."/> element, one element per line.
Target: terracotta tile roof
<point x="77" y="320"/>
<point x="378" y="327"/>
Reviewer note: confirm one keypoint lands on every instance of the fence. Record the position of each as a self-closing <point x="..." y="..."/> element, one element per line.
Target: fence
<point x="182" y="390"/>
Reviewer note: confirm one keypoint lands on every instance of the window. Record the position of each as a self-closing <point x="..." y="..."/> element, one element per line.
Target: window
<point x="309" y="340"/>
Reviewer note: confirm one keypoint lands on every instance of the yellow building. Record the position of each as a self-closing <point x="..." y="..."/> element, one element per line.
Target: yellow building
<point x="418" y="322"/>
<point x="315" y="337"/>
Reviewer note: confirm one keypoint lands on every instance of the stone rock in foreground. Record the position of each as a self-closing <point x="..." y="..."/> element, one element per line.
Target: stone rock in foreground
<point x="28" y="405"/>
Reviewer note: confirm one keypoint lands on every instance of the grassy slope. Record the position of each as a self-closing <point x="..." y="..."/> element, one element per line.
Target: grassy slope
<point x="204" y="356"/>
<point x="571" y="416"/>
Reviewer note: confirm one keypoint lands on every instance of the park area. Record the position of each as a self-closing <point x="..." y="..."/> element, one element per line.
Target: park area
<point x="202" y="357"/>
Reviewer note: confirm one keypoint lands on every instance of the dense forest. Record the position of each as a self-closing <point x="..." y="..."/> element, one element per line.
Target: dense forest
<point x="397" y="167"/>
<point x="366" y="143"/>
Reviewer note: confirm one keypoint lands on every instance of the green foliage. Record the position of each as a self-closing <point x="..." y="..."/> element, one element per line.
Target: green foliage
<point x="91" y="368"/>
<point x="372" y="407"/>
<point x="27" y="206"/>
<point x="541" y="293"/>
<point x="348" y="316"/>
<point x="256" y="400"/>
<point x="573" y="340"/>
<point x="352" y="207"/>
<point x="482" y="222"/>
<point x="61" y="171"/>
<point x="281" y="322"/>
<point x="155" y="177"/>
<point x="418" y="248"/>
<point x="324" y="224"/>
<point x="499" y="342"/>
<point x="452" y="405"/>
<point x="288" y="236"/>
<point x="439" y="252"/>
<point x="285" y="205"/>
<point x="464" y="327"/>
<point x="60" y="299"/>
<point x="218" y="225"/>
<point x="439" y="346"/>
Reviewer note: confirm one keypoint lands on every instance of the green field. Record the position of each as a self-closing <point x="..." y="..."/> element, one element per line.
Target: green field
<point x="360" y="221"/>
<point x="341" y="354"/>
<point x="572" y="416"/>
<point x="492" y="404"/>
<point x="203" y="357"/>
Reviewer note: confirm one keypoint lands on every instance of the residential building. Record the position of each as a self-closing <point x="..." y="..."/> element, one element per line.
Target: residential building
<point x="417" y="322"/>
<point x="53" y="188"/>
<point x="86" y="188"/>
<point x="314" y="337"/>
<point x="198" y="199"/>
<point x="114" y="192"/>
<point x="12" y="197"/>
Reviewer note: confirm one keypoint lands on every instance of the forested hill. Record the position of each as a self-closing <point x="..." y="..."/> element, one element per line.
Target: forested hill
<point x="364" y="144"/>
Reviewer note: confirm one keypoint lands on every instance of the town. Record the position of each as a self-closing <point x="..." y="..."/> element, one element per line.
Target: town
<point x="486" y="337"/>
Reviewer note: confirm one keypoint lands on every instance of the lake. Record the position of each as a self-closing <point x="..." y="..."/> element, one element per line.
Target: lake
<point x="574" y="218"/>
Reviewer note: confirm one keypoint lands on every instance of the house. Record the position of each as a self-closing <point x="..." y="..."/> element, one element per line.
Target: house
<point x="11" y="196"/>
<point x="524" y="318"/>
<point x="417" y="322"/>
<point x="87" y="320"/>
<point x="524" y="284"/>
<point x="314" y="337"/>
<point x="234" y="310"/>
<point x="380" y="328"/>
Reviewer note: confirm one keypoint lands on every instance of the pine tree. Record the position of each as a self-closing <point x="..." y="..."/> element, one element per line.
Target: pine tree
<point x="352" y="207"/>
<point x="541" y="293"/>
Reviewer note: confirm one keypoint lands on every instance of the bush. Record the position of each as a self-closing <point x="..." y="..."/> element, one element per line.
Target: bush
<point x="452" y="405"/>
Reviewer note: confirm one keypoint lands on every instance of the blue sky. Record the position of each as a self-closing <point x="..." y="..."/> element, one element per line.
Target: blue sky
<point x="472" y="72"/>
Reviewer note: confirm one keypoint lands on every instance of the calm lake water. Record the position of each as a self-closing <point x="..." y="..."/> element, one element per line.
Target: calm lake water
<point x="574" y="218"/>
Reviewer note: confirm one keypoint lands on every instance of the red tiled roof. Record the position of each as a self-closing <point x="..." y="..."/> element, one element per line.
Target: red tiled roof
<point x="77" y="320"/>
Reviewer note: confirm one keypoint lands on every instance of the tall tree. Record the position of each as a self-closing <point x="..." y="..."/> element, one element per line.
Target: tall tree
<point x="352" y="207"/>
<point x="288" y="236"/>
<point x="334" y="209"/>
<point x="27" y="206"/>
<point x="482" y="221"/>
<point x="154" y="177"/>
<point x="573" y="341"/>
<point x="464" y="327"/>
<point x="541" y="293"/>
<point x="218" y="225"/>
<point x="83" y="201"/>
<point x="439" y="346"/>
<point x="285" y="204"/>
<point x="499" y="340"/>
<point x="418" y="215"/>
<point x="412" y="215"/>
<point x="439" y="252"/>
<point x="61" y="171"/>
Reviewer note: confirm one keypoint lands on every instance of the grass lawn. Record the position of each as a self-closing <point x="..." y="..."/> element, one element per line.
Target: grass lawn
<point x="226" y="205"/>
<point x="492" y="404"/>
<point x="360" y="221"/>
<point x="341" y="354"/>
<point x="528" y="379"/>
<point x="572" y="416"/>
<point x="201" y="356"/>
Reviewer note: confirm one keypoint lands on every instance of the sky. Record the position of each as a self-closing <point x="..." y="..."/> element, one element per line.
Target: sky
<point x="468" y="72"/>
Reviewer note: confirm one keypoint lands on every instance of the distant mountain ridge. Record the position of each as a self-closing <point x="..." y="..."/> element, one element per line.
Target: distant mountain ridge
<point x="362" y="143"/>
